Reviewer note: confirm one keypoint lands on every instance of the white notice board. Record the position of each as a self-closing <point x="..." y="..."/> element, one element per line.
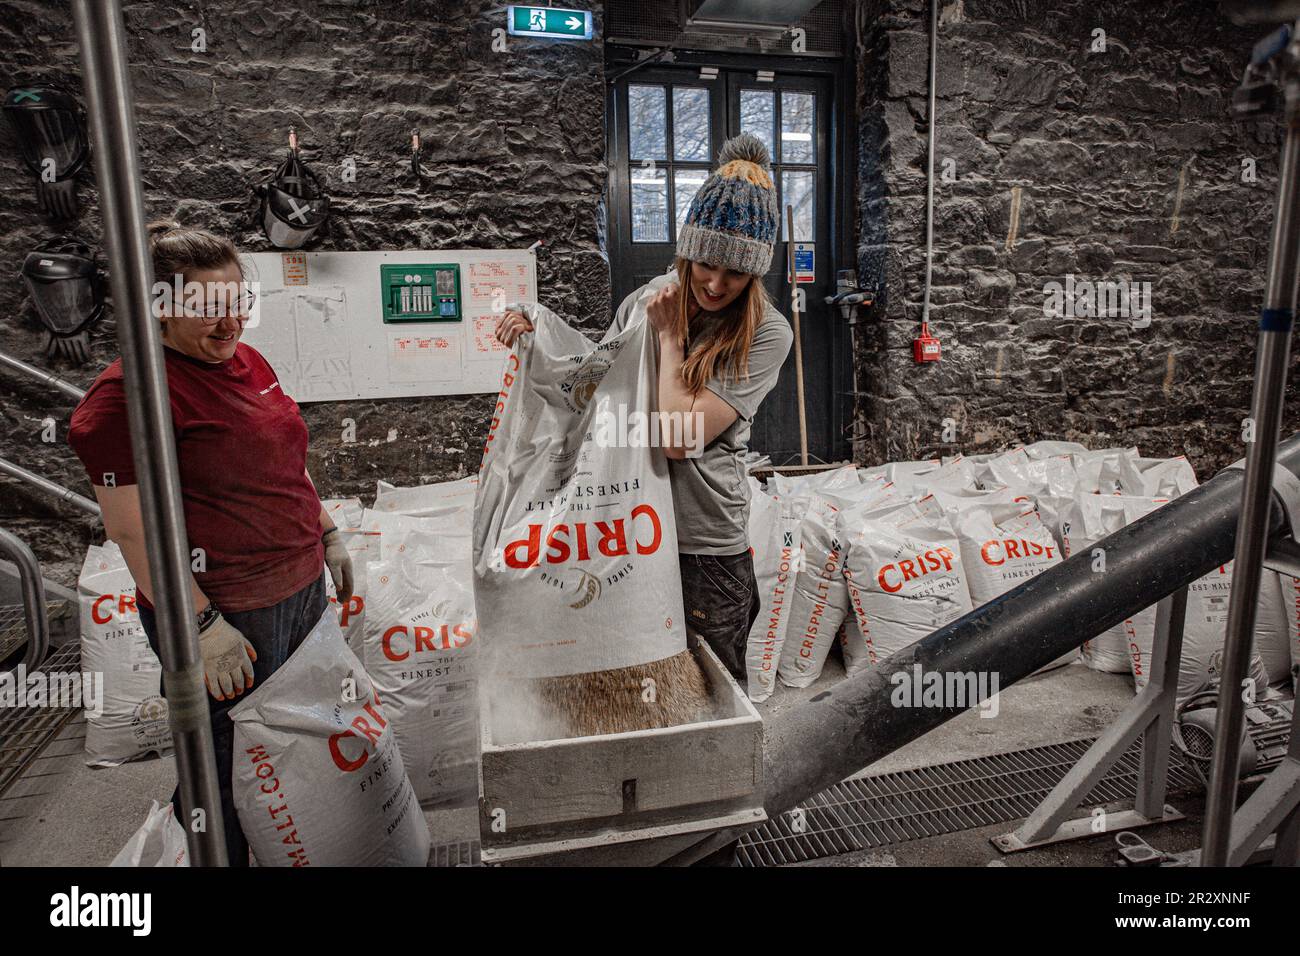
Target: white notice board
<point x="319" y="322"/>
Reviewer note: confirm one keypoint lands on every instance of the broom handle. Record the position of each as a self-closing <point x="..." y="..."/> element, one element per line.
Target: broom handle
<point x="798" y="342"/>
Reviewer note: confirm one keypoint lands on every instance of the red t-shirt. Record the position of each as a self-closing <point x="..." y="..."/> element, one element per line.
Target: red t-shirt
<point x="242" y="449"/>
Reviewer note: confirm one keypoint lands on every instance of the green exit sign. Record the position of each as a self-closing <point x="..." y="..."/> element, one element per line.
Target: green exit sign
<point x="550" y="22"/>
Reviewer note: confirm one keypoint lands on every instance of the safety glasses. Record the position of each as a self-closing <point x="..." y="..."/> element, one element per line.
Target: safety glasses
<point x="215" y="313"/>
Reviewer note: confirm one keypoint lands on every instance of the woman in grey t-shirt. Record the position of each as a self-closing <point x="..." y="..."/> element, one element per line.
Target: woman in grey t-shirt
<point x="721" y="348"/>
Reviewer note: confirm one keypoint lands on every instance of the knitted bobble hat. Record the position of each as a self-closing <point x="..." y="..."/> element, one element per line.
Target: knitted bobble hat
<point x="732" y="220"/>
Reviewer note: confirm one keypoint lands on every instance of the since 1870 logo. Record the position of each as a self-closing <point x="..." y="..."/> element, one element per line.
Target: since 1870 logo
<point x="580" y="386"/>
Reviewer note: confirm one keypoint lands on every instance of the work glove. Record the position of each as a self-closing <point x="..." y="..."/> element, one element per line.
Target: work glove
<point x="339" y="562"/>
<point x="227" y="659"/>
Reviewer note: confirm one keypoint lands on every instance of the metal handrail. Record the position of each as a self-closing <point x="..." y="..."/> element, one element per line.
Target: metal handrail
<point x="50" y="487"/>
<point x="855" y="723"/>
<point x="33" y="587"/>
<point x="48" y="378"/>
<point x="110" y="106"/>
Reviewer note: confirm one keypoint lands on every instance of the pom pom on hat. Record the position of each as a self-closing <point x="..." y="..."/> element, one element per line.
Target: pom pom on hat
<point x="746" y="146"/>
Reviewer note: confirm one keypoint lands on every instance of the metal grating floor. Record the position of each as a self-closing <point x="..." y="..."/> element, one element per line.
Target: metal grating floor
<point x="13" y="626"/>
<point x="465" y="853"/>
<point x="25" y="732"/>
<point x="868" y="812"/>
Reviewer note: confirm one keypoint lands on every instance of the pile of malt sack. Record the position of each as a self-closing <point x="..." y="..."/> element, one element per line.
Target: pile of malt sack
<point x="880" y="557"/>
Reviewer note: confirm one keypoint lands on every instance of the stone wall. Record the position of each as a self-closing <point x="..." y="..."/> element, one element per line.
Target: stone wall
<point x="513" y="152"/>
<point x="1124" y="162"/>
<point x="1127" y="167"/>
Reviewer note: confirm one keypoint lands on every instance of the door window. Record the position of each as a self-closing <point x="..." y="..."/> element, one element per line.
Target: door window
<point x="666" y="120"/>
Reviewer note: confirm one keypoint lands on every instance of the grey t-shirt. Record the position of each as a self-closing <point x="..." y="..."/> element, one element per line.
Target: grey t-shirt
<point x="710" y="493"/>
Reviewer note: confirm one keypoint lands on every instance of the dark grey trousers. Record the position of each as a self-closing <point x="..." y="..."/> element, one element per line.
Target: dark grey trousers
<point x="275" y="632"/>
<point x="720" y="596"/>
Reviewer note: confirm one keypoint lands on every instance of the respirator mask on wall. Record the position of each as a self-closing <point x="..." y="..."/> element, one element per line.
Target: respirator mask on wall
<point x="67" y="290"/>
<point x="294" y="206"/>
<point x="51" y="131"/>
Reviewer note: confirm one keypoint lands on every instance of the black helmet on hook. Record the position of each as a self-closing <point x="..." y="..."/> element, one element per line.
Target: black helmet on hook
<point x="67" y="290"/>
<point x="294" y="206"/>
<point x="50" y="127"/>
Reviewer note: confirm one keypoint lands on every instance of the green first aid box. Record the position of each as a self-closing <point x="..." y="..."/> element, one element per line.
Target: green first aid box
<point x="420" y="293"/>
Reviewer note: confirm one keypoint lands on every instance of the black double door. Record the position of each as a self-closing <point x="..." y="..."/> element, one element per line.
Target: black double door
<point x="665" y="127"/>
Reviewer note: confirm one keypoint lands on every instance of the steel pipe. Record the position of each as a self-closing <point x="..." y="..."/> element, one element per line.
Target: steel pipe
<point x="33" y="586"/>
<point x="111" y="108"/>
<point x="929" y="161"/>
<point x="854" y="724"/>
<point x="50" y="487"/>
<point x="48" y="378"/>
<point x="1256" y="491"/>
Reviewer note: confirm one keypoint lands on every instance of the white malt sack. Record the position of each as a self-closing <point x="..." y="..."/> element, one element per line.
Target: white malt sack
<point x="1208" y="597"/>
<point x="774" y="536"/>
<point x="886" y="503"/>
<point x="905" y="472"/>
<point x="1272" y="638"/>
<point x="318" y="779"/>
<point x="1009" y="467"/>
<point x="160" y="841"/>
<point x="448" y="536"/>
<point x="1156" y="477"/>
<point x="1051" y="448"/>
<point x="957" y="474"/>
<point x="1100" y="471"/>
<point x="908" y="476"/>
<point x="959" y="501"/>
<point x="833" y="479"/>
<point x="1087" y="519"/>
<point x="905" y="581"/>
<point x="575" y="542"/>
<point x="426" y="501"/>
<point x="1050" y="481"/>
<point x="1054" y="475"/>
<point x="344" y="512"/>
<point x="1204" y="627"/>
<point x="133" y="720"/>
<point x="888" y="507"/>
<point x="877" y="499"/>
<point x="820" y="598"/>
<point x="830" y="480"/>
<point x="1290" y="595"/>
<point x="1003" y="546"/>
<point x="977" y="459"/>
<point x="871" y="482"/>
<point x="420" y="651"/>
<point x="779" y="484"/>
<point x="1204" y="623"/>
<point x="874" y="473"/>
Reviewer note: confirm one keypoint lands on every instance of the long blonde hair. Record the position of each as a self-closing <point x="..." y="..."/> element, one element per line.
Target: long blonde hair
<point x="727" y="349"/>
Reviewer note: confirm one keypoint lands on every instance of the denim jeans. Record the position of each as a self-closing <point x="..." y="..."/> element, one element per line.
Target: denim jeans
<point x="275" y="633"/>
<point x="721" y="604"/>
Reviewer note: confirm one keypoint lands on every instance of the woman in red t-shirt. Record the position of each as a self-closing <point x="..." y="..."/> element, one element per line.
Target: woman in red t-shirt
<point x="256" y="528"/>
